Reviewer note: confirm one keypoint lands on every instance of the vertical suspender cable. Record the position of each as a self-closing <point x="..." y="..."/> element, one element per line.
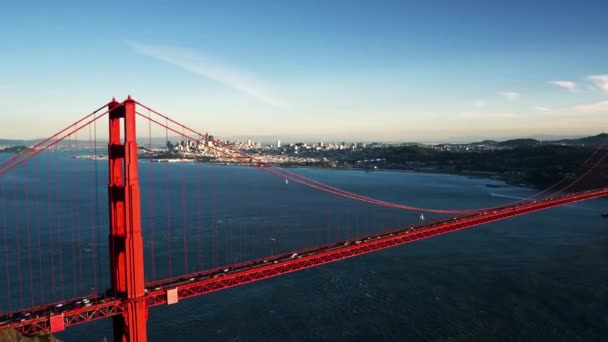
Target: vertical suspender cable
<point x="319" y="222"/>
<point x="184" y="223"/>
<point x="38" y="210"/>
<point x="99" y="286"/>
<point x="18" y="246"/>
<point x="92" y="214"/>
<point x="6" y="256"/>
<point x="51" y="221"/>
<point x="347" y="218"/>
<point x="78" y="237"/>
<point x="238" y="229"/>
<point x="199" y="222"/>
<point x="58" y="230"/>
<point x="150" y="200"/>
<point x="327" y="219"/>
<point x="72" y="213"/>
<point x="227" y="220"/>
<point x="214" y="215"/>
<point x="168" y="200"/>
<point x="29" y="240"/>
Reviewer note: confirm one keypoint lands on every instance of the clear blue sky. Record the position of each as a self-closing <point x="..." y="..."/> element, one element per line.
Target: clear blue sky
<point x="354" y="70"/>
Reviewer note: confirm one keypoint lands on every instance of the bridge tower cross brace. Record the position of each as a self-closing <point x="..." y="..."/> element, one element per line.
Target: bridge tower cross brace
<point x="125" y="239"/>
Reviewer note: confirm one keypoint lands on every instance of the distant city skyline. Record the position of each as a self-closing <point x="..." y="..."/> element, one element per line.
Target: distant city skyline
<point x="389" y="71"/>
<point x="84" y="142"/>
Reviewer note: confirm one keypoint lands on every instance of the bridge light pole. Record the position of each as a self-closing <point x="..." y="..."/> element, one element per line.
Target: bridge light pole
<point x="125" y="239"/>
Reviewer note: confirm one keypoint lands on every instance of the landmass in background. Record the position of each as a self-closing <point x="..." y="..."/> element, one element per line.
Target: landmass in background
<point x="524" y="162"/>
<point x="10" y="335"/>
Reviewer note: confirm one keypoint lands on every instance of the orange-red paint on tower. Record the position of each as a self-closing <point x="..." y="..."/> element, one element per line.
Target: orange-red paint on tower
<point x="126" y="245"/>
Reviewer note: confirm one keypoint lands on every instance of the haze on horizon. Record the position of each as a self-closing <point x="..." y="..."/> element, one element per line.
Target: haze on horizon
<point x="316" y="70"/>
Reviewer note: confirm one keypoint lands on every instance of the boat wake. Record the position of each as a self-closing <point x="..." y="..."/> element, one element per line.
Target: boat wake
<point x="506" y="196"/>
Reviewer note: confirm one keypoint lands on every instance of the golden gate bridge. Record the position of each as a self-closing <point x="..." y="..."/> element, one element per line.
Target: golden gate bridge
<point x="132" y="290"/>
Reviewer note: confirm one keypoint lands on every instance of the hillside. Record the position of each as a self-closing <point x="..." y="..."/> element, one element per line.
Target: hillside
<point x="13" y="149"/>
<point x="538" y="165"/>
<point x="10" y="335"/>
<point x="518" y="142"/>
<point x="595" y="140"/>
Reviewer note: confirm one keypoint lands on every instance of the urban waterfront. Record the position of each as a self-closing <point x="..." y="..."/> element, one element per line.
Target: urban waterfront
<point x="537" y="277"/>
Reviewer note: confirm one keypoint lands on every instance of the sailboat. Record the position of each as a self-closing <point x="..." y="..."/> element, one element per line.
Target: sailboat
<point x="286" y="182"/>
<point x="421" y="216"/>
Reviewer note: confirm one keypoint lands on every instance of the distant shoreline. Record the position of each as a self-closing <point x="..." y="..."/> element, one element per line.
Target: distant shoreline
<point x="471" y="174"/>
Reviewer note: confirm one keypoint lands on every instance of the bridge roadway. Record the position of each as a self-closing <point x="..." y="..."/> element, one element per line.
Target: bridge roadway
<point x="55" y="317"/>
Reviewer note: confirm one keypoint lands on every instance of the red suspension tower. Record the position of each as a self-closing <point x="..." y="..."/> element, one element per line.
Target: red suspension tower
<point x="126" y="245"/>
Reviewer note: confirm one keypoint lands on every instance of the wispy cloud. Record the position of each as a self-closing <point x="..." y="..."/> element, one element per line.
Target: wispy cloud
<point x="569" y="85"/>
<point x="480" y="103"/>
<point x="194" y="62"/>
<point x="593" y="108"/>
<point x="510" y="95"/>
<point x="478" y="115"/>
<point x="600" y="81"/>
<point x="591" y="88"/>
<point x="578" y="111"/>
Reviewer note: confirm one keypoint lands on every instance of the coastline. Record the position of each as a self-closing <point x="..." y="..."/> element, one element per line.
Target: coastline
<point x="471" y="174"/>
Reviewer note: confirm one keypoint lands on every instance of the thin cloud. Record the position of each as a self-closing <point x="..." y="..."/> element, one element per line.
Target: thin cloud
<point x="591" y="88"/>
<point x="600" y="81"/>
<point x="487" y="116"/>
<point x="593" y="108"/>
<point x="479" y="103"/>
<point x="510" y="95"/>
<point x="195" y="63"/>
<point x="578" y="111"/>
<point x="568" y="85"/>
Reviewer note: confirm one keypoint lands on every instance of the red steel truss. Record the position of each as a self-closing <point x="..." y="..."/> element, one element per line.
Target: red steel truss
<point x="299" y="260"/>
<point x="175" y="289"/>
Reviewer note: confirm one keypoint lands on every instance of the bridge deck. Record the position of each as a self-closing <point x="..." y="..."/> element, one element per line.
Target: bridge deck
<point x="45" y="318"/>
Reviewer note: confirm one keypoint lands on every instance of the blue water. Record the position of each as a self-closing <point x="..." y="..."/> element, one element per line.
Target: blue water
<point x="541" y="277"/>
